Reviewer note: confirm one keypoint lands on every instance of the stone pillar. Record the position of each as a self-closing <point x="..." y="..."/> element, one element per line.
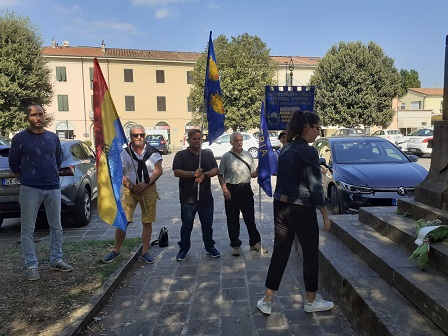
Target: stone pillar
<point x="434" y="189"/>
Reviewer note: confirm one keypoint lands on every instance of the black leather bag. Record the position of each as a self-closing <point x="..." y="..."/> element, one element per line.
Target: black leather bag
<point x="163" y="238"/>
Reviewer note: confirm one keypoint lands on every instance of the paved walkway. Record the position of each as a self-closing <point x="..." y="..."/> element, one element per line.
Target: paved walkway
<point x="210" y="296"/>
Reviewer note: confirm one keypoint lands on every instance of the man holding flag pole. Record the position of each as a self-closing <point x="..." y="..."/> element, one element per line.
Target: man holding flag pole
<point x="195" y="167"/>
<point x="110" y="140"/>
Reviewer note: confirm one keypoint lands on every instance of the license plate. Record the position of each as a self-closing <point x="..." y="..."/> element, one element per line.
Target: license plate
<point x="394" y="201"/>
<point x="412" y="149"/>
<point x="10" y="181"/>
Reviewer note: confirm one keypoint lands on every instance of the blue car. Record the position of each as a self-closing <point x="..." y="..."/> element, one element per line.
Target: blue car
<point x="366" y="171"/>
<point x="159" y="142"/>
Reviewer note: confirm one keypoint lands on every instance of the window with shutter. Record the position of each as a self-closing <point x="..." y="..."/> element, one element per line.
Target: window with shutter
<point x="160" y="76"/>
<point x="91" y="74"/>
<point x="161" y="103"/>
<point x="61" y="75"/>
<point x="129" y="103"/>
<point x="62" y="102"/>
<point x="128" y="75"/>
<point x="189" y="77"/>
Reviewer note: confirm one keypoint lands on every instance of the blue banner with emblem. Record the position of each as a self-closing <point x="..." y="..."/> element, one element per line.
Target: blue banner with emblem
<point x="282" y="101"/>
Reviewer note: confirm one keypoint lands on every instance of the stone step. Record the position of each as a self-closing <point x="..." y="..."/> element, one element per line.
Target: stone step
<point x="401" y="230"/>
<point x="371" y="305"/>
<point x="418" y="210"/>
<point x="426" y="289"/>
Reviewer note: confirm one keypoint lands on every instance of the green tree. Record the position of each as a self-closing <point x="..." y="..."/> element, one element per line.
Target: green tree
<point x="409" y="79"/>
<point x="245" y="68"/>
<point x="24" y="74"/>
<point x="355" y="84"/>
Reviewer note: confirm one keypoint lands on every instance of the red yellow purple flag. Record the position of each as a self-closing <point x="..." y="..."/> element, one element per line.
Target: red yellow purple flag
<point x="109" y="141"/>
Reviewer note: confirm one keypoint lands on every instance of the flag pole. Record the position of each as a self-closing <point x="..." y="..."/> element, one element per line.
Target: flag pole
<point x="204" y="105"/>
<point x="200" y="148"/>
<point x="259" y="214"/>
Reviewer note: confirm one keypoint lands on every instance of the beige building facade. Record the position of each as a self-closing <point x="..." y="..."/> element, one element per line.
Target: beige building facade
<point x="148" y="87"/>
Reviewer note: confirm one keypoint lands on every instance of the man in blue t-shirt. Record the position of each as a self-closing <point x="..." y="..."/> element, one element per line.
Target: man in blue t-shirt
<point x="35" y="158"/>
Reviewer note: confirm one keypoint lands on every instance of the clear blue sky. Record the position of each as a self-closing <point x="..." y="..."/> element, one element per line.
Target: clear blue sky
<point x="412" y="32"/>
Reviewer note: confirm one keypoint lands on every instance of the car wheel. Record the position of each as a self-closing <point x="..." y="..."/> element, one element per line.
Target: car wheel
<point x="1" y="221"/>
<point x="253" y="152"/>
<point x="82" y="213"/>
<point x="337" y="207"/>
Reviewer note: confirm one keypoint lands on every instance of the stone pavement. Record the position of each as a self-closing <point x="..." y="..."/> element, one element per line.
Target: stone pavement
<point x="210" y="296"/>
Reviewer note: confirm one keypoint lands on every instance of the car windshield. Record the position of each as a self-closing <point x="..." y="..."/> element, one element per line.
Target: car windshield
<point x="394" y="132"/>
<point x="357" y="131"/>
<point x="425" y="132"/>
<point x="364" y="151"/>
<point x="5" y="141"/>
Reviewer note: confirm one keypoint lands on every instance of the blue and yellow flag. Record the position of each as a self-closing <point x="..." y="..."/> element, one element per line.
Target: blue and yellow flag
<point x="213" y="96"/>
<point x="267" y="161"/>
<point x="109" y="140"/>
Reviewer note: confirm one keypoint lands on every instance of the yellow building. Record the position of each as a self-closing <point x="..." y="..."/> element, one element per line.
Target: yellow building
<point x="149" y="87"/>
<point x="419" y="108"/>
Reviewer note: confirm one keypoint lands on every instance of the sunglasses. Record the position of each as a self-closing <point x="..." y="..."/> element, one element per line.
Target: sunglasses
<point x="136" y="135"/>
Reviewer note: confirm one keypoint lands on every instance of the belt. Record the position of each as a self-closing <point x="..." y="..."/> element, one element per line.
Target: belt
<point x="238" y="184"/>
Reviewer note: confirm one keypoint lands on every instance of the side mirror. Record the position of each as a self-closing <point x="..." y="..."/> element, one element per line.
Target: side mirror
<point x="414" y="158"/>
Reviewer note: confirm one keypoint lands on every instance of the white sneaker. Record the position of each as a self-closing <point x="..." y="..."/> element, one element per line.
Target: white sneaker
<point x="318" y="305"/>
<point x="236" y="251"/>
<point x="265" y="307"/>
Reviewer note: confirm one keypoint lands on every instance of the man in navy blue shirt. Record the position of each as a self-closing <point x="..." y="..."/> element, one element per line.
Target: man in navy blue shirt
<point x="35" y="158"/>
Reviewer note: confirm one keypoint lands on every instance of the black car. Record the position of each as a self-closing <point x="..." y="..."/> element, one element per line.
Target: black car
<point x="77" y="176"/>
<point x="159" y="142"/>
<point x="366" y="171"/>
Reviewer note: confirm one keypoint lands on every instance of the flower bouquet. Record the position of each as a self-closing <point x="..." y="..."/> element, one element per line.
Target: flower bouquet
<point x="427" y="232"/>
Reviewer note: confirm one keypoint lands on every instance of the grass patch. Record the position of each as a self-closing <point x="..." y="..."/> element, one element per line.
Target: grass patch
<point x="43" y="307"/>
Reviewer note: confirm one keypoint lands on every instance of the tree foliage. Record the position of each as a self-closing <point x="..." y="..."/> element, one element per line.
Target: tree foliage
<point x="355" y="84"/>
<point x="409" y="79"/>
<point x="24" y="74"/>
<point x="245" y="68"/>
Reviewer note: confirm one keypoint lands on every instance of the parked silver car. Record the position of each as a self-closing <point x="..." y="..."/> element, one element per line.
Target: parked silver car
<point x="78" y="180"/>
<point x="273" y="137"/>
<point x="389" y="134"/>
<point x="402" y="142"/>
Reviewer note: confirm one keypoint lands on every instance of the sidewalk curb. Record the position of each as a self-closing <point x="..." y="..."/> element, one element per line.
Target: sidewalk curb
<point x="91" y="309"/>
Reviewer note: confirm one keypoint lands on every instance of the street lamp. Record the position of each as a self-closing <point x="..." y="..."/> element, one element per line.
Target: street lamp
<point x="286" y="68"/>
<point x="291" y="69"/>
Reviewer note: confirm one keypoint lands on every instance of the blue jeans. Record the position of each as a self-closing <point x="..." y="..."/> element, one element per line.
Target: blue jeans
<point x="30" y="200"/>
<point x="188" y="212"/>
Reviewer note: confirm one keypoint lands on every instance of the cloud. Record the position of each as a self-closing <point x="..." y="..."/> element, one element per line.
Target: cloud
<point x="156" y="2"/>
<point x="166" y="12"/>
<point x="213" y="6"/>
<point x="118" y="26"/>
<point x="66" y="10"/>
<point x="10" y="3"/>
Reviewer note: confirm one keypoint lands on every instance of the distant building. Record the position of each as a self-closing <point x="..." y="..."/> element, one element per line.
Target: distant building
<point x="419" y="108"/>
<point x="149" y="87"/>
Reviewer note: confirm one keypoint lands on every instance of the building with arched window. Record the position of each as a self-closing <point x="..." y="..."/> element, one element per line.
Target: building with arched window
<point x="148" y="87"/>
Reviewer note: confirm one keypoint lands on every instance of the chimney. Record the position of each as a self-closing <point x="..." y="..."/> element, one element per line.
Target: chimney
<point x="53" y="43"/>
<point x="103" y="47"/>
